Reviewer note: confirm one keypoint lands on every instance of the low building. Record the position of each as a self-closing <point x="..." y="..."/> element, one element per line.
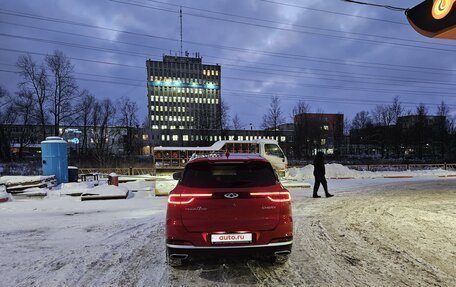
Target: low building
<point x="315" y="132"/>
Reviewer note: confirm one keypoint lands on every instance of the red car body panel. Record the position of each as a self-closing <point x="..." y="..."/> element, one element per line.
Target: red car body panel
<point x="195" y="213"/>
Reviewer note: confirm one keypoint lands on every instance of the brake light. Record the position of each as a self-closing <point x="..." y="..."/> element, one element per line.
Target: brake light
<point x="282" y="196"/>
<point x="186" y="198"/>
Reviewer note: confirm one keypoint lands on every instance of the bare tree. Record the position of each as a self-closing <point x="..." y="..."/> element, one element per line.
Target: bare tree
<point x="361" y="120"/>
<point x="396" y="110"/>
<point x="128" y="112"/>
<point x="102" y="116"/>
<point x="443" y="109"/>
<point x="24" y="108"/>
<point x="64" y="88"/>
<point x="34" y="78"/>
<point x="7" y="116"/>
<point x="421" y="112"/>
<point x="382" y="116"/>
<point x="86" y="109"/>
<point x="224" y="115"/>
<point x="300" y="132"/>
<point x="128" y="118"/>
<point x="387" y="115"/>
<point x="146" y="122"/>
<point x="273" y="117"/>
<point x="347" y="127"/>
<point x="300" y="108"/>
<point x="237" y="123"/>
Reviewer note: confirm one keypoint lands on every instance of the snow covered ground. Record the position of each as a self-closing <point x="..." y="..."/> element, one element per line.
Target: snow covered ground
<point x="335" y="170"/>
<point x="374" y="232"/>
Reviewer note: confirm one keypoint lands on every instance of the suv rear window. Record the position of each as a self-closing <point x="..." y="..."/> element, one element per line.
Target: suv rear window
<point x="228" y="175"/>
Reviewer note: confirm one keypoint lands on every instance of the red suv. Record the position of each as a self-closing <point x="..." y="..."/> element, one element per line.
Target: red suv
<point x="231" y="203"/>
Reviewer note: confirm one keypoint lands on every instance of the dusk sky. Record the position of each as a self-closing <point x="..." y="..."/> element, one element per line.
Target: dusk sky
<point x="336" y="56"/>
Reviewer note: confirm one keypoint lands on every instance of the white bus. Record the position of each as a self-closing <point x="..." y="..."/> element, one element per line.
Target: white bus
<point x="168" y="159"/>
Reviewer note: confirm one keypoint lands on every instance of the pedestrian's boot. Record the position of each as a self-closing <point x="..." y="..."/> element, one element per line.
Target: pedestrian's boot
<point x="316" y="196"/>
<point x="329" y="195"/>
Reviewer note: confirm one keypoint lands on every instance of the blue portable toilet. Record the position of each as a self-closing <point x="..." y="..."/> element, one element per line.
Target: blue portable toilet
<point x="54" y="158"/>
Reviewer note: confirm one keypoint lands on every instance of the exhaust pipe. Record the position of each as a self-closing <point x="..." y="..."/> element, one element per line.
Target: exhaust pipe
<point x="282" y="252"/>
<point x="179" y="256"/>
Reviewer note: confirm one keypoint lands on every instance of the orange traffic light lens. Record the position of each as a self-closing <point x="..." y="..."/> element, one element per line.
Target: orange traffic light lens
<point x="442" y="8"/>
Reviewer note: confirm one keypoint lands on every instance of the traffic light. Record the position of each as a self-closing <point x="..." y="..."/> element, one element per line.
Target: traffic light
<point x="434" y="18"/>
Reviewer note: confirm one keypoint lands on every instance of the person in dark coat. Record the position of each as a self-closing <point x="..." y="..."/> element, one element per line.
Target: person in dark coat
<point x="319" y="173"/>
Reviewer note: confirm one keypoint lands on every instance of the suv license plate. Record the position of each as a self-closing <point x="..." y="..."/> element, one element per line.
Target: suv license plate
<point x="231" y="238"/>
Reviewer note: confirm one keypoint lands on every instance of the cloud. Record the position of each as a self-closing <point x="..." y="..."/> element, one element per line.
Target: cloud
<point x="333" y="71"/>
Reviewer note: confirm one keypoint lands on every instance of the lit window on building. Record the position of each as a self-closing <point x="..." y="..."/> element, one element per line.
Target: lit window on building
<point x="216" y="73"/>
<point x="241" y="138"/>
<point x="155" y="127"/>
<point x="323" y="141"/>
<point x="167" y="137"/>
<point x="185" y="138"/>
<point x="326" y="128"/>
<point x="164" y="127"/>
<point x="172" y="127"/>
<point x="231" y="138"/>
<point x="282" y="138"/>
<point x="145" y="137"/>
<point x="162" y="137"/>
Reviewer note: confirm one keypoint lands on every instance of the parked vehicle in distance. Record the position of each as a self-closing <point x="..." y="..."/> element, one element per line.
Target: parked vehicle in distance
<point x="231" y="204"/>
<point x="170" y="159"/>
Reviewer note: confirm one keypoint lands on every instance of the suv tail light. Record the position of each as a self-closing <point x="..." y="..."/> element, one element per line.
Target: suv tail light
<point x="282" y="196"/>
<point x="185" y="198"/>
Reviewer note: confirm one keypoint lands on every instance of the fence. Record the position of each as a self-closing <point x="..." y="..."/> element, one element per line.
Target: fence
<point x="402" y="167"/>
<point x="121" y="171"/>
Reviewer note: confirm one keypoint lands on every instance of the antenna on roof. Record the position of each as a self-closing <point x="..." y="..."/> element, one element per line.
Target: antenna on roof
<point x="180" y="15"/>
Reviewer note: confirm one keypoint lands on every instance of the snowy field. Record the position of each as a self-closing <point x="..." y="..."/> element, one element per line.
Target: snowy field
<point x="374" y="232"/>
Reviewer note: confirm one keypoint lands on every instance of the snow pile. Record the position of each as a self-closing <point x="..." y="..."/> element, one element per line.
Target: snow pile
<point x="14" y="180"/>
<point x="332" y="171"/>
<point x="75" y="188"/>
<point x="139" y="185"/>
<point x="107" y="190"/>
<point x="339" y="171"/>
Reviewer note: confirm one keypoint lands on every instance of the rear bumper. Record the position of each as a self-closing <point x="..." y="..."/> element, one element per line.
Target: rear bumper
<point x="257" y="250"/>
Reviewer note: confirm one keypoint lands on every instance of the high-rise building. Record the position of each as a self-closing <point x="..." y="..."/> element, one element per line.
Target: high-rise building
<point x="183" y="94"/>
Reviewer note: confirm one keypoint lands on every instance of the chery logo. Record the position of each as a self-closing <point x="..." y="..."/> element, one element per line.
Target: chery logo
<point x="231" y="195"/>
